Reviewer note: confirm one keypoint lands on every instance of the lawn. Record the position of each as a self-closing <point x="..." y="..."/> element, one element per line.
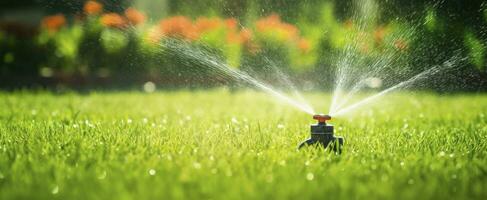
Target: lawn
<point x="219" y="144"/>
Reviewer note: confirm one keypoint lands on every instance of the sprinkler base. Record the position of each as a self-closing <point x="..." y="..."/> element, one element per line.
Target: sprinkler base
<point x="322" y="135"/>
<point x="335" y="143"/>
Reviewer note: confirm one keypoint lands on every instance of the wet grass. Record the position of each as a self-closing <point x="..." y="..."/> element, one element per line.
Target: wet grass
<point x="223" y="145"/>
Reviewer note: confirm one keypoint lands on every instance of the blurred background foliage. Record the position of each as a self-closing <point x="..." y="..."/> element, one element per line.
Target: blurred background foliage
<point x="123" y="43"/>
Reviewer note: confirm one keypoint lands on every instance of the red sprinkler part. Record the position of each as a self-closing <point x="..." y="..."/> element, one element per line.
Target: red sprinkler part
<point x="322" y="118"/>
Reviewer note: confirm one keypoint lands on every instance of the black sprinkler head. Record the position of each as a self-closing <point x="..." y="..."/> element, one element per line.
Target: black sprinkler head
<point x="322" y="135"/>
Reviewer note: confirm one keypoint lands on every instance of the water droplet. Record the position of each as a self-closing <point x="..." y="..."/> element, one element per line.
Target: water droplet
<point x="145" y="120"/>
<point x="234" y="120"/>
<point x="307" y="163"/>
<point x="152" y="172"/>
<point x="405" y="126"/>
<point x="229" y="173"/>
<point x="280" y="126"/>
<point x="402" y="163"/>
<point x="373" y="82"/>
<point x="441" y="154"/>
<point x="197" y="165"/>
<point x="129" y="121"/>
<point x="103" y="175"/>
<point x="46" y="72"/>
<point x="55" y="190"/>
<point x="310" y="176"/>
<point x="149" y="87"/>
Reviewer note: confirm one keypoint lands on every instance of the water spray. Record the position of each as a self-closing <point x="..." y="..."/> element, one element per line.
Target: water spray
<point x="322" y="135"/>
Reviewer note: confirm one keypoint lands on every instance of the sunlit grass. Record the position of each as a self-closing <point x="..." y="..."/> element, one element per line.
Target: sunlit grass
<point x="237" y="145"/>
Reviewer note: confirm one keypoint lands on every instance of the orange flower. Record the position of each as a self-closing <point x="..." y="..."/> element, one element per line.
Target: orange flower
<point x="400" y="44"/>
<point x="179" y="27"/>
<point x="92" y="8"/>
<point x="379" y="34"/>
<point x="273" y="23"/>
<point x="54" y="22"/>
<point x="233" y="37"/>
<point x="242" y="37"/>
<point x="231" y="23"/>
<point x="204" y="24"/>
<point x="246" y="36"/>
<point x="291" y="30"/>
<point x="267" y="23"/>
<point x="304" y="45"/>
<point x="134" y="16"/>
<point x="113" y="20"/>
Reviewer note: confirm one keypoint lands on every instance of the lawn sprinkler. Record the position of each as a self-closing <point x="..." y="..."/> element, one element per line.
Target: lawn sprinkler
<point x="322" y="134"/>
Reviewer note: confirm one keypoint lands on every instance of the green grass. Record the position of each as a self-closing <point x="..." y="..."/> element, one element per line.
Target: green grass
<point x="222" y="145"/>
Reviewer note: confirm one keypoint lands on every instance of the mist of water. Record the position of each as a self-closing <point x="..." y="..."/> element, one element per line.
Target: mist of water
<point x="184" y="50"/>
<point x="353" y="68"/>
<point x="402" y="85"/>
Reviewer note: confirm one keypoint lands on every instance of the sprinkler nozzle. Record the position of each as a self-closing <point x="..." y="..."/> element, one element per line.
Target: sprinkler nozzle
<point x="322" y="135"/>
<point x="322" y="118"/>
